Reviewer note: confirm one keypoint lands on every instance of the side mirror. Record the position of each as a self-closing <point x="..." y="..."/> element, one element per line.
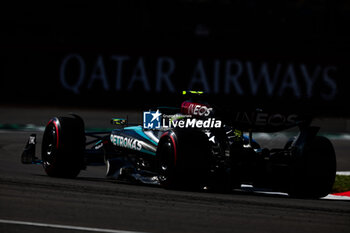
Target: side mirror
<point x="119" y="121"/>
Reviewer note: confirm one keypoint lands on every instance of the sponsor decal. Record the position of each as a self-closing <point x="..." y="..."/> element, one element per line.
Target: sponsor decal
<point x="126" y="142"/>
<point x="195" y="109"/>
<point x="265" y="119"/>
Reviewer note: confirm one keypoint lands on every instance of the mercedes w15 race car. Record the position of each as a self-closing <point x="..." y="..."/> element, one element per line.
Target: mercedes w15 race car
<point x="198" y="145"/>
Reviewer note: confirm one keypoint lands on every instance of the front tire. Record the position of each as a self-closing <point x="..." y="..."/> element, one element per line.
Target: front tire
<point x="63" y="147"/>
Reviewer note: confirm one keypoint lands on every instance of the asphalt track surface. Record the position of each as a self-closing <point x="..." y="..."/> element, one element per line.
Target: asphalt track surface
<point x="92" y="203"/>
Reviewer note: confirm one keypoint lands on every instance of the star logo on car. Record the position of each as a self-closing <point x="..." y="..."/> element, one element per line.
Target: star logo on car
<point x="212" y="139"/>
<point x="208" y="133"/>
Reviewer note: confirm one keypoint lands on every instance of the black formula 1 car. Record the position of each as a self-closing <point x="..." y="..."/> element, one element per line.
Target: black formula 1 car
<point x="198" y="145"/>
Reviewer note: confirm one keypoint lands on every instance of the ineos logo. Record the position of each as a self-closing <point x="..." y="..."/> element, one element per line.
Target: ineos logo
<point x="275" y="119"/>
<point x="265" y="119"/>
<point x="201" y="110"/>
<point x="198" y="110"/>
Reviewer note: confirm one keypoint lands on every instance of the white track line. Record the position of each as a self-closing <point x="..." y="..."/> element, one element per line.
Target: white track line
<point x="250" y="188"/>
<point x="67" y="227"/>
<point x="335" y="197"/>
<point x="343" y="173"/>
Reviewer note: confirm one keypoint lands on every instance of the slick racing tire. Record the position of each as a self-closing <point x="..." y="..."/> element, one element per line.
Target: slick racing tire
<point x="63" y="147"/>
<point x="183" y="159"/>
<point x="313" y="175"/>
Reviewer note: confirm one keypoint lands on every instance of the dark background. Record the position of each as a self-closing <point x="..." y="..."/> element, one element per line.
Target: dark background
<point x="288" y="55"/>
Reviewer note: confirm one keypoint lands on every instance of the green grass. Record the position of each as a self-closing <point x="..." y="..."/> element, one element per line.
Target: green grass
<point x="341" y="184"/>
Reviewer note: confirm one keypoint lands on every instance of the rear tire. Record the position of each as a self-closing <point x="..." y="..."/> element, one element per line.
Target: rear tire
<point x="63" y="147"/>
<point x="182" y="159"/>
<point x="313" y="175"/>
